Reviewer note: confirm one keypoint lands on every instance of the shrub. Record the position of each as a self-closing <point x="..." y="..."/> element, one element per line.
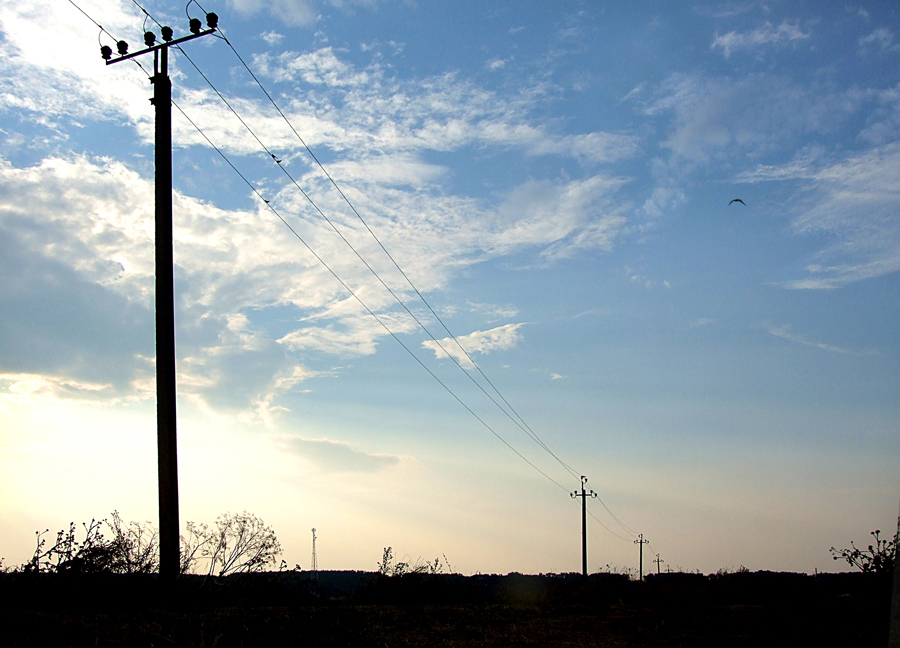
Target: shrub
<point x="132" y="549"/>
<point x="238" y="543"/>
<point x="877" y="558"/>
<point x="387" y="567"/>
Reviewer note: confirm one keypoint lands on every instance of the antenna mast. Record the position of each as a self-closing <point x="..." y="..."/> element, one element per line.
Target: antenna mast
<point x="315" y="564"/>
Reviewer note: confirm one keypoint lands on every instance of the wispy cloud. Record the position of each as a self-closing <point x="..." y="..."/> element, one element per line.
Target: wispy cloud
<point x="755" y="115"/>
<point x="337" y="456"/>
<point x="272" y="37"/>
<point x="882" y="39"/>
<point x="478" y="342"/>
<point x="497" y="64"/>
<point x="768" y="34"/>
<point x="854" y="202"/>
<point x="701" y="322"/>
<point x="785" y="333"/>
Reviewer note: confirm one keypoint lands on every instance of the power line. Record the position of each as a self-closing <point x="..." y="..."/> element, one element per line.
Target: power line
<point x="627" y="529"/>
<point x="520" y="423"/>
<point x="360" y="301"/>
<point x="607" y="528"/>
<point x="334" y="274"/>
<point x="524" y="425"/>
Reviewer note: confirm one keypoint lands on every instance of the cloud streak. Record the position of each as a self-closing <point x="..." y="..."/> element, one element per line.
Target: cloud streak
<point x="501" y="338"/>
<point x="337" y="456"/>
<point x="853" y="202"/>
<point x="768" y="34"/>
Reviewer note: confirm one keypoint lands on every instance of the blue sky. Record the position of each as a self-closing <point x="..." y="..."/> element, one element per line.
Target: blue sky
<point x="555" y="180"/>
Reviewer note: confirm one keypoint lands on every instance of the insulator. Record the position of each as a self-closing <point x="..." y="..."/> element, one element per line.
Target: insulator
<point x="122" y="46"/>
<point x="195" y="25"/>
<point x="149" y="38"/>
<point x="106" y="52"/>
<point x="212" y="20"/>
<point x="166" y="33"/>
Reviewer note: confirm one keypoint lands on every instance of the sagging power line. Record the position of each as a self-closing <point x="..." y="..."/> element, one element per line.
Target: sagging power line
<point x="518" y="420"/>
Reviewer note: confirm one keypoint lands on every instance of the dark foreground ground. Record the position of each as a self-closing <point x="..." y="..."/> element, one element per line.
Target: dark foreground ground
<point x="363" y="609"/>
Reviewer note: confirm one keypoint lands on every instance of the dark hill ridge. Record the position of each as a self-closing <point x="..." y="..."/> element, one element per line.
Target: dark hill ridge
<point x="353" y="608"/>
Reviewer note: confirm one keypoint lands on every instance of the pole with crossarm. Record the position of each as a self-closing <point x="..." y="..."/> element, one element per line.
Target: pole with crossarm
<point x="166" y="419"/>
<point x="583" y="495"/>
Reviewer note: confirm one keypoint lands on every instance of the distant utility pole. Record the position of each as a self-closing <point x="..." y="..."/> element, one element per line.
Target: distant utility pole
<point x="315" y="563"/>
<point x="166" y="437"/>
<point x="583" y="495"/>
<point x="658" y="562"/>
<point x="641" y="542"/>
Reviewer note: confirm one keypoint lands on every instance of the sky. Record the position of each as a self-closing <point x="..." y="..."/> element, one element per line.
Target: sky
<point x="363" y="188"/>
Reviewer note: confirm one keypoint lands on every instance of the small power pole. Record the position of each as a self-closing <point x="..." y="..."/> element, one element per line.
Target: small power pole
<point x="641" y="542"/>
<point x="315" y="562"/>
<point x="583" y="495"/>
<point x="166" y="419"/>
<point x="658" y="562"/>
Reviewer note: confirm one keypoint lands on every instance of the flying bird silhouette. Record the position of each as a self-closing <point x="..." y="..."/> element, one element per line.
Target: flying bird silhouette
<point x="738" y="200"/>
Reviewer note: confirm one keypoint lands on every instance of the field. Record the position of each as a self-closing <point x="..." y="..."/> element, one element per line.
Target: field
<point x="368" y="610"/>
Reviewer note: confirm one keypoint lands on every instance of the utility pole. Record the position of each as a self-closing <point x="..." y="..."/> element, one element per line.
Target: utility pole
<point x="583" y="495"/>
<point x="640" y="541"/>
<point x="166" y="418"/>
<point x="658" y="562"/>
<point x="315" y="563"/>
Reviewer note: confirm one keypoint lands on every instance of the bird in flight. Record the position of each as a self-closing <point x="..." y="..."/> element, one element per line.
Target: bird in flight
<point x="738" y="200"/>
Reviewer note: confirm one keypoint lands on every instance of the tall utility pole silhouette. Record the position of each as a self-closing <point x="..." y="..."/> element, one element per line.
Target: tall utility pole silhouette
<point x="583" y="495"/>
<point x="640" y="541"/>
<point x="658" y="562"/>
<point x="166" y="419"/>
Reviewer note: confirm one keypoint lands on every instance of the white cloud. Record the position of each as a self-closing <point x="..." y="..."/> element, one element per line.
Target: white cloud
<point x="639" y="279"/>
<point x="497" y="64"/>
<point x="785" y="333"/>
<point x="765" y="35"/>
<point x="337" y="456"/>
<point x="370" y="109"/>
<point x="272" y="37"/>
<point x="478" y="342"/>
<point x="576" y="216"/>
<point x="86" y="225"/>
<point x="882" y="37"/>
<point x="854" y="202"/>
<point x="715" y="118"/>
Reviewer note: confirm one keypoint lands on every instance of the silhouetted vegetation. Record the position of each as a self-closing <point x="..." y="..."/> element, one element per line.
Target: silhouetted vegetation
<point x="422" y="609"/>
<point x="95" y="586"/>
<point x="133" y="548"/>
<point x="387" y="566"/>
<point x="877" y="558"/>
<point x="238" y="543"/>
